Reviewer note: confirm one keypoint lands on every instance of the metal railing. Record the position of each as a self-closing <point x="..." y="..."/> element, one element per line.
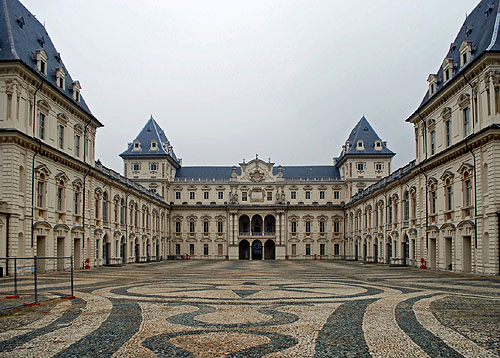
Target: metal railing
<point x="35" y="279"/>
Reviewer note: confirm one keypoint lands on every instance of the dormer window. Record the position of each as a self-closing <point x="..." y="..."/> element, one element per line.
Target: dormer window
<point x="465" y="53"/>
<point x="447" y="69"/>
<point x="432" y="80"/>
<point x="378" y="145"/>
<point x="360" y="145"/>
<point x="41" y="61"/>
<point x="154" y="145"/>
<point x="137" y="146"/>
<point x="60" y="74"/>
<point x="20" y="21"/>
<point x="76" y="90"/>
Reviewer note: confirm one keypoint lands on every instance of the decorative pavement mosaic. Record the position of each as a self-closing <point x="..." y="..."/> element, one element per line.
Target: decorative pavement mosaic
<point x="258" y="309"/>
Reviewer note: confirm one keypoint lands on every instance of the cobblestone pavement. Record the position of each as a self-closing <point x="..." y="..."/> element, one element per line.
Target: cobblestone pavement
<point x="258" y="309"/>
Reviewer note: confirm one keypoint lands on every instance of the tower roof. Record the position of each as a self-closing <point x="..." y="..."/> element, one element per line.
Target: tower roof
<point x="21" y="36"/>
<point x="481" y="30"/>
<point x="151" y="132"/>
<point x="364" y="133"/>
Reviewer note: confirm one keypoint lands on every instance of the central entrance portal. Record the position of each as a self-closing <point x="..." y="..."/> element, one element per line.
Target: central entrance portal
<point x="269" y="250"/>
<point x="244" y="250"/>
<point x="257" y="250"/>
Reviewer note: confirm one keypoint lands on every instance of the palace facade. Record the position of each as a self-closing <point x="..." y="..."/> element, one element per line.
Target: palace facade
<point x="56" y="200"/>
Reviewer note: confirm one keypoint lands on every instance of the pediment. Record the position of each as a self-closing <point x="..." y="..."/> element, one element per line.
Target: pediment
<point x="257" y="171"/>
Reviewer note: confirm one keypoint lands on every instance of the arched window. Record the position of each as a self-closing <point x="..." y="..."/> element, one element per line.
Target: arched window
<point x="105" y="206"/>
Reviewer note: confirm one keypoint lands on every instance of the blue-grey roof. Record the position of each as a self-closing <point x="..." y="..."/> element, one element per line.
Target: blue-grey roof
<point x="151" y="131"/>
<point x="481" y="30"/>
<point x="363" y="131"/>
<point x="21" y="35"/>
<point x="289" y="172"/>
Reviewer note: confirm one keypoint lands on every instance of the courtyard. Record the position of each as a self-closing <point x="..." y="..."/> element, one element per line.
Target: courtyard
<point x="257" y="309"/>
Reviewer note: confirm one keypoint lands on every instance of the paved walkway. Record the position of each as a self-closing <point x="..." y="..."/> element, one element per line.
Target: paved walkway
<point x="259" y="309"/>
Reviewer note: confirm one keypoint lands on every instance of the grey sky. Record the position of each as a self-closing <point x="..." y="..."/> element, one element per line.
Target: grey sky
<point x="229" y="79"/>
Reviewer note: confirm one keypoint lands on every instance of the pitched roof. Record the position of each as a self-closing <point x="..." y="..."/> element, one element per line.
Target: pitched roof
<point x="481" y="28"/>
<point x="364" y="132"/>
<point x="327" y="172"/>
<point x="150" y="132"/>
<point x="21" y="35"/>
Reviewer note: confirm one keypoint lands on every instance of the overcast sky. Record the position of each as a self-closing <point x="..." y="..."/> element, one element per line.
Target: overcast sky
<point x="230" y="79"/>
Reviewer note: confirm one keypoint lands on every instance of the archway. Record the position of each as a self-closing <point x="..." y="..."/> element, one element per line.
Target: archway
<point x="405" y="247"/>
<point x="269" y="250"/>
<point x="270" y="224"/>
<point x="375" y="251"/>
<point x="389" y="250"/>
<point x="106" y="250"/>
<point x="244" y="224"/>
<point x="257" y="250"/>
<point x="137" y="251"/>
<point x="244" y="250"/>
<point x="123" y="250"/>
<point x="257" y="226"/>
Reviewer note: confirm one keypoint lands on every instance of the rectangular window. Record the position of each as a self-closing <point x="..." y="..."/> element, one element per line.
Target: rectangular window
<point x="136" y="167"/>
<point x="40" y="189"/>
<point x="449" y="197"/>
<point x="321" y="194"/>
<point x="177" y="249"/>
<point x="191" y="195"/>
<point x="205" y="249"/>
<point x="308" y="249"/>
<point x="220" y="227"/>
<point x="433" y="142"/>
<point x="293" y="195"/>
<point x="191" y="226"/>
<point x="294" y="249"/>
<point x="220" y="195"/>
<point x="205" y="226"/>
<point x="322" y="249"/>
<point x="205" y="195"/>
<point x="336" y="227"/>
<point x="77" y="145"/>
<point x="77" y="203"/>
<point x="468" y="193"/>
<point x="191" y="249"/>
<point x="177" y="195"/>
<point x="433" y="202"/>
<point x="220" y="249"/>
<point x="336" y="249"/>
<point x="308" y="195"/>
<point x="361" y="167"/>
<point x="294" y="226"/>
<point x="41" y="126"/>
<point x="59" y="198"/>
<point x="60" y="133"/>
<point x="177" y="226"/>
<point x="153" y="167"/>
<point x="448" y="132"/>
<point x="466" y="122"/>
<point x="321" y="226"/>
<point x="308" y="226"/>
<point x="378" y="166"/>
<point x="243" y="196"/>
<point x="336" y="195"/>
<point x="269" y="196"/>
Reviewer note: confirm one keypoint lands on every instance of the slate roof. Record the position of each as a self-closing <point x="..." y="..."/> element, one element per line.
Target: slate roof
<point x="150" y="131"/>
<point x="363" y="131"/>
<point x="289" y="172"/>
<point x="21" y="35"/>
<point x="481" y="28"/>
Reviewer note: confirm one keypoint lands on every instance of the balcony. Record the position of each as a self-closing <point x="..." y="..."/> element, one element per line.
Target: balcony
<point x="253" y="234"/>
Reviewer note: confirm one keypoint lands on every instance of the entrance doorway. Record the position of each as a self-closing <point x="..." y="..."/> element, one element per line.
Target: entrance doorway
<point x="106" y="248"/>
<point x="60" y="252"/>
<point x="375" y="252"/>
<point x="78" y="257"/>
<point x="40" y="252"/>
<point x="137" y="252"/>
<point x="257" y="250"/>
<point x="406" y="251"/>
<point x="123" y="251"/>
<point x="244" y="250"/>
<point x="389" y="251"/>
<point x="356" y="253"/>
<point x="448" y="253"/>
<point x="467" y="253"/>
<point x="432" y="253"/>
<point x="269" y="250"/>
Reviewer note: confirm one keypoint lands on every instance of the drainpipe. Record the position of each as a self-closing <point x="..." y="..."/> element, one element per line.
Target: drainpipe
<point x="474" y="156"/>
<point x="7" y="243"/>
<point x="33" y="164"/>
